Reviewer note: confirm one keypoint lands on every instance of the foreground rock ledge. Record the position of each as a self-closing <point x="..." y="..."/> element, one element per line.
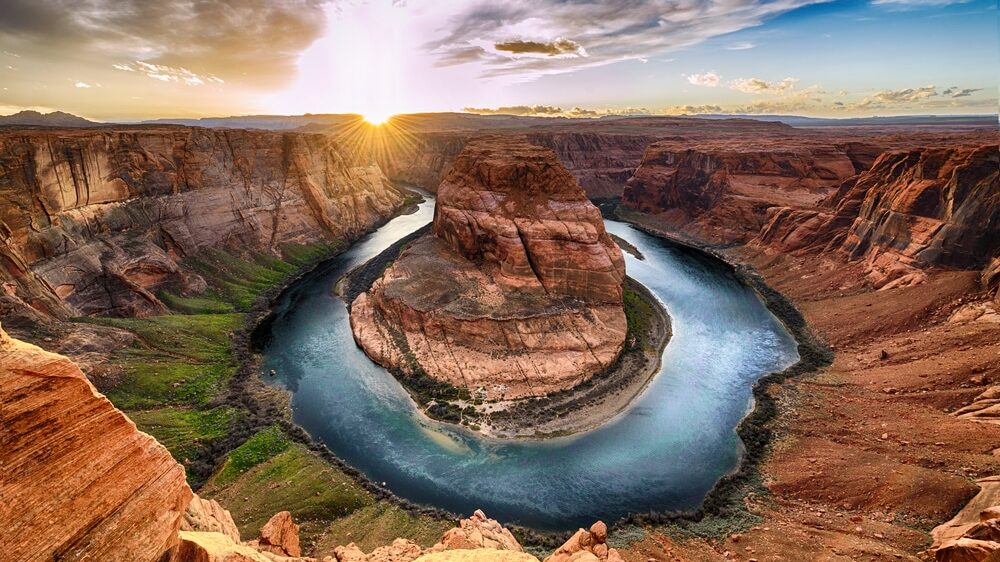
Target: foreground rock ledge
<point x="517" y="293"/>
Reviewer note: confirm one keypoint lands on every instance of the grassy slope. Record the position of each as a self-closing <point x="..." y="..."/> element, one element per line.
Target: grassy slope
<point x="173" y="381"/>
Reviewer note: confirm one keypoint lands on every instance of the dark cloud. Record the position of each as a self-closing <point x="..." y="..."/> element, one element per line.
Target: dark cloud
<point x="256" y="41"/>
<point x="557" y="47"/>
<point x="965" y="93"/>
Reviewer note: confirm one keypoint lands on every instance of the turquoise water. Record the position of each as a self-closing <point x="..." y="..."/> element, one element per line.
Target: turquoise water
<point x="664" y="453"/>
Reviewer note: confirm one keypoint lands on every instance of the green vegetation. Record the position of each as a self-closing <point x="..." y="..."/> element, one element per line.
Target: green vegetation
<point x="639" y="315"/>
<point x="183" y="430"/>
<point x="261" y="447"/>
<point x="379" y="524"/>
<point x="295" y="480"/>
<point x="173" y="383"/>
<point x="240" y="281"/>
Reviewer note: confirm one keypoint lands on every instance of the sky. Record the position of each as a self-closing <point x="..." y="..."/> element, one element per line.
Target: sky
<point x="137" y="59"/>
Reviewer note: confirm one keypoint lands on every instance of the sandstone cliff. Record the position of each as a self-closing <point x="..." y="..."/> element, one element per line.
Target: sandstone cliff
<point x="94" y="222"/>
<point x="79" y="481"/>
<point x="720" y="190"/>
<point x="600" y="162"/>
<point x="910" y="211"/>
<point x="517" y="293"/>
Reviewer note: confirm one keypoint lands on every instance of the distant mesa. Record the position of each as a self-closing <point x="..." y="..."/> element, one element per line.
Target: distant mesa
<point x="518" y="291"/>
<point x="55" y="119"/>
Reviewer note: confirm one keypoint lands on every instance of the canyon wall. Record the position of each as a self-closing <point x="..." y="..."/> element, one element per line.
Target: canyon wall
<point x="910" y="211"/>
<point x="95" y="222"/>
<point x="720" y="191"/>
<point x="600" y="162"/>
<point x="517" y="293"/>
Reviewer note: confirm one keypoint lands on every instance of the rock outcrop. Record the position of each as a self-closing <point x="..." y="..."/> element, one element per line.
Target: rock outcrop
<point x="79" y="481"/>
<point x="517" y="293"/>
<point x="587" y="546"/>
<point x="720" y="191"/>
<point x="95" y="222"/>
<point x="479" y="531"/>
<point x="910" y="211"/>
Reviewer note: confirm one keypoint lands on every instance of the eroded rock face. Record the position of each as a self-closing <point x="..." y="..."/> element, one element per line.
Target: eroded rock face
<point x="94" y="222"/>
<point x="478" y="532"/>
<point x="518" y="292"/>
<point x="79" y="481"/>
<point x="720" y="191"/>
<point x="912" y="210"/>
<point x="587" y="546"/>
<point x="513" y="207"/>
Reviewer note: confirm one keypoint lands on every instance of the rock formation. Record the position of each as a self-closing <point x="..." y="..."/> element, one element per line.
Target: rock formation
<point x="517" y="293"/>
<point x="911" y="210"/>
<point x="79" y="481"/>
<point x="721" y="190"/>
<point x="94" y="222"/>
<point x="587" y="546"/>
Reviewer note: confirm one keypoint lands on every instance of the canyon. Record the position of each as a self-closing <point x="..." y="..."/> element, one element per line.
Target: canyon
<point x="98" y="222"/>
<point x="518" y="291"/>
<point x="887" y="242"/>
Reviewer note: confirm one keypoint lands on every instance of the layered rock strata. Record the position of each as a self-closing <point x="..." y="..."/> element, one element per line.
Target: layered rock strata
<point x="721" y="191"/>
<point x="517" y="293"/>
<point x="79" y="481"/>
<point x="95" y="222"/>
<point x="910" y="211"/>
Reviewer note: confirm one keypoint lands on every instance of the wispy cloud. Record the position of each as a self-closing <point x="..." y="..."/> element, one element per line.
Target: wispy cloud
<point x="166" y="73"/>
<point x="758" y="86"/>
<point x="741" y="46"/>
<point x="707" y="79"/>
<point x="592" y="32"/>
<point x="82" y="85"/>
<point x="916" y="3"/>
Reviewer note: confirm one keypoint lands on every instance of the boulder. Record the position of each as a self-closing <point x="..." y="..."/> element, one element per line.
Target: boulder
<point x="280" y="535"/>
<point x="208" y="516"/>
<point x="478" y="532"/>
<point x="586" y="546"/>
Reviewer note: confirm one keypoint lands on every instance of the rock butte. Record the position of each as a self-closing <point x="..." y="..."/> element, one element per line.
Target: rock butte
<point x="518" y="291"/>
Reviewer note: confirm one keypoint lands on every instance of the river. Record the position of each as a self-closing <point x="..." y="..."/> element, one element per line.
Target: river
<point x="663" y="453"/>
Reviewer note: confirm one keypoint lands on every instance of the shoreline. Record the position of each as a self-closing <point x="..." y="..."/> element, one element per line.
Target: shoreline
<point x="576" y="410"/>
<point x="722" y="505"/>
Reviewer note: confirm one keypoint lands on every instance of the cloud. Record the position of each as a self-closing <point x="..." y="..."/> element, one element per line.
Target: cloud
<point x="166" y="73"/>
<point x="965" y="92"/>
<point x="708" y="79"/>
<point x="555" y="111"/>
<point x="758" y="86"/>
<point x="82" y="85"/>
<point x="516" y="110"/>
<point x="606" y="31"/>
<point x="887" y="98"/>
<point x="742" y="46"/>
<point x="554" y="48"/>
<point x="916" y="3"/>
<point x="255" y="41"/>
<point x="694" y="109"/>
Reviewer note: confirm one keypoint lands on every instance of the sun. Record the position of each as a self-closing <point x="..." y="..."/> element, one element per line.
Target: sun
<point x="376" y="117"/>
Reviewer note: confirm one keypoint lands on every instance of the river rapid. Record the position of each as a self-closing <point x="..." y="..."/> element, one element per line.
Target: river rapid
<point x="665" y="452"/>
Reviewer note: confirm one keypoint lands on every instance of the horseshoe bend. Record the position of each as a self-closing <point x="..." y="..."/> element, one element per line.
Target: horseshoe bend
<point x="693" y="281"/>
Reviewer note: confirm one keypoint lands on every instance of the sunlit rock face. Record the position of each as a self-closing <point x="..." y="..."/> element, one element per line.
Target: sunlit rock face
<point x="96" y="221"/>
<point x="720" y="190"/>
<point x="911" y="210"/>
<point x="79" y="482"/>
<point x="517" y="293"/>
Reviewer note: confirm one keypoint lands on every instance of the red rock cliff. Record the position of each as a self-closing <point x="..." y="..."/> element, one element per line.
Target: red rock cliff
<point x="912" y="210"/>
<point x="79" y="481"/>
<point x="95" y="221"/>
<point x="518" y="292"/>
